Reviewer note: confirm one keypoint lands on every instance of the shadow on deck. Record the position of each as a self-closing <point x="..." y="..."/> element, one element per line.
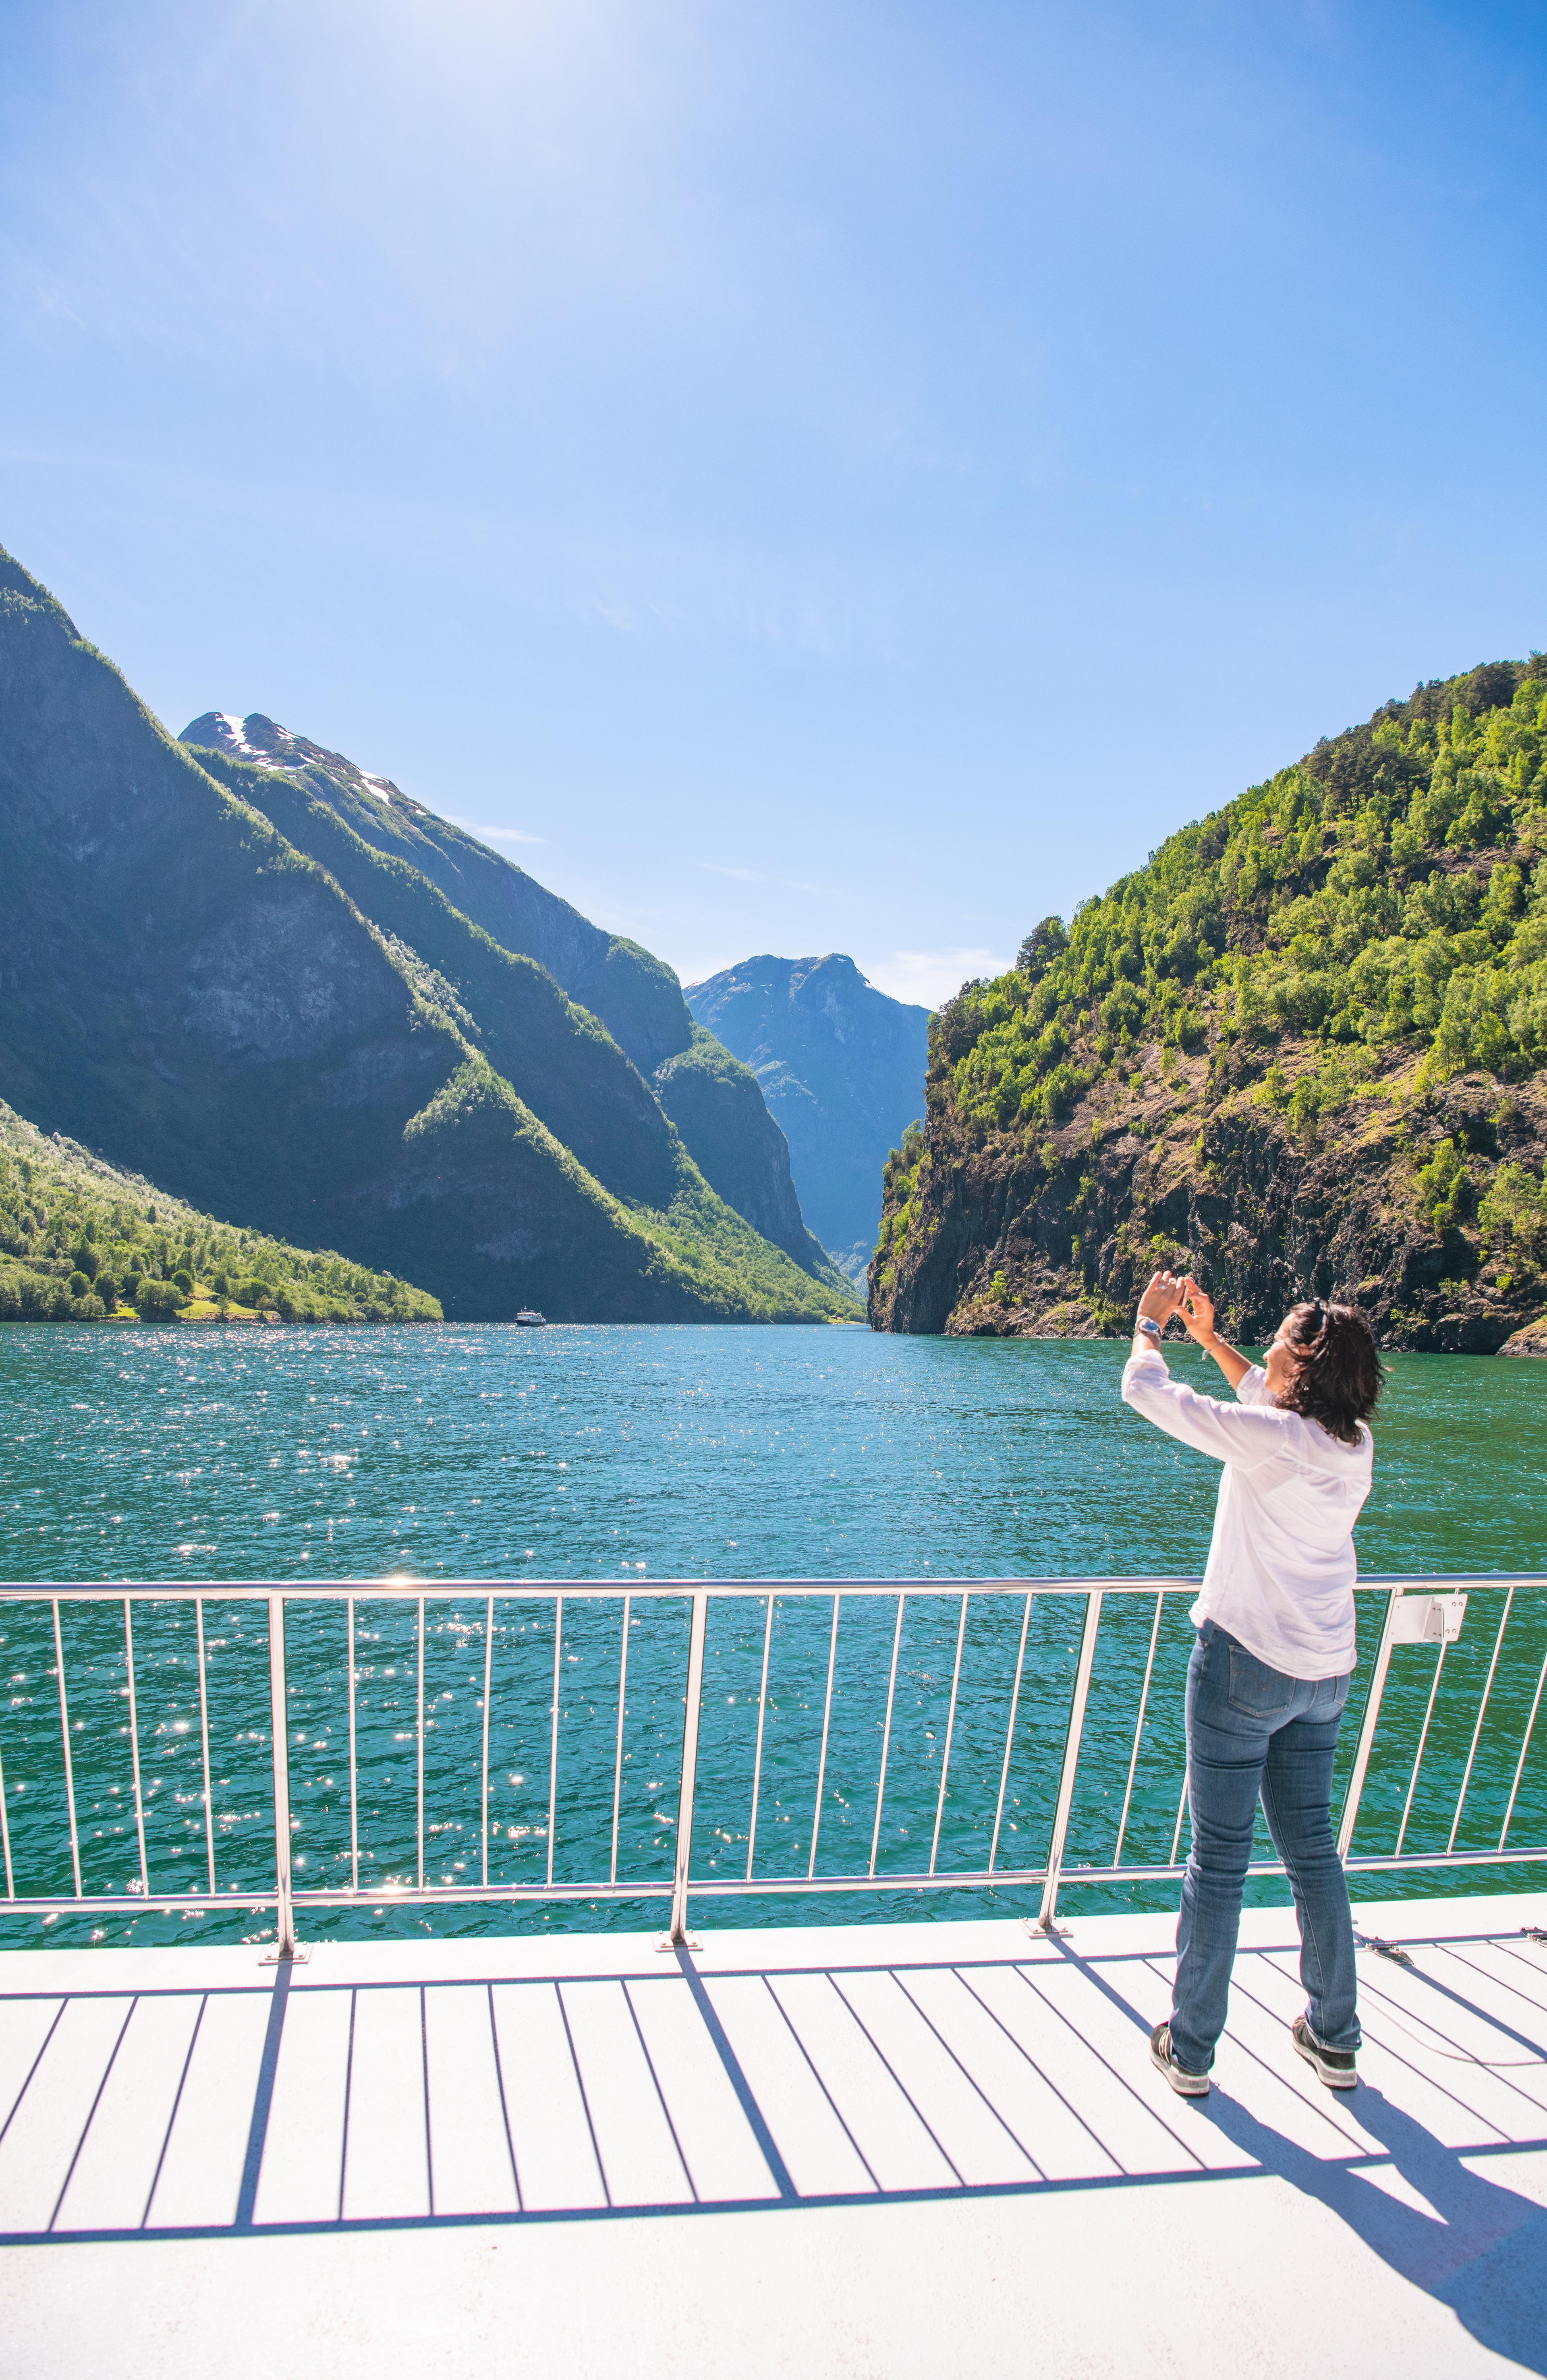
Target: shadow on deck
<point x="493" y="2086"/>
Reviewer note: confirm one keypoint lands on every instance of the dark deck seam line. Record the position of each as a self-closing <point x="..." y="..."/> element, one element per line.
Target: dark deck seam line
<point x="971" y="2080"/>
<point x="1537" y="2006"/>
<point x="585" y="2098"/>
<point x="425" y="2076"/>
<point x="838" y="2117"/>
<point x="348" y="2092"/>
<point x="1463" y="2057"/>
<point x="1047" y="2080"/>
<point x="661" y="2096"/>
<point x="504" y="2103"/>
<point x="96" y="2102"/>
<point x="176" y="2102"/>
<point x="1405" y="2059"/>
<point x="37" y="2061"/>
<point x="1099" y="2054"/>
<point x="901" y="2087"/>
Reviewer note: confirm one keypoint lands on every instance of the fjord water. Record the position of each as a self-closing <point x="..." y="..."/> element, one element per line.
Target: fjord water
<point x="624" y="1456"/>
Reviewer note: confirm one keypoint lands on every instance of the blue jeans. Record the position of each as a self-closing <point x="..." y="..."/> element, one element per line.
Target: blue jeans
<point x="1253" y="1731"/>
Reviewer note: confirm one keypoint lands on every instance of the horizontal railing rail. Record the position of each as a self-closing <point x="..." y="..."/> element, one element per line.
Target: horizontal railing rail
<point x="919" y="1765"/>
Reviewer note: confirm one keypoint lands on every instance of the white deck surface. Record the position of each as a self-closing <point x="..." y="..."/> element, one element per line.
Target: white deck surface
<point x="930" y="2149"/>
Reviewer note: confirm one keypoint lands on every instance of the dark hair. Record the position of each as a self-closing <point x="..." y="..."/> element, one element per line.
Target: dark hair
<point x="1337" y="1377"/>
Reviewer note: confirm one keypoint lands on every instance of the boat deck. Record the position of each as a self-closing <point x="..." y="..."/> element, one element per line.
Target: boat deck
<point x="922" y="2149"/>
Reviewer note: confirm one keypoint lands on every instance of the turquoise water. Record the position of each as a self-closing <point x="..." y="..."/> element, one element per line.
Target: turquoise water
<point x="623" y="1456"/>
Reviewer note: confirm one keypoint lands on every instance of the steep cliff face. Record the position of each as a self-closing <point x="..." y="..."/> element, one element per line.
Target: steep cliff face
<point x="1303" y="1048"/>
<point x="1056" y="1239"/>
<point x="842" y="1068"/>
<point x="636" y="996"/>
<point x="185" y="992"/>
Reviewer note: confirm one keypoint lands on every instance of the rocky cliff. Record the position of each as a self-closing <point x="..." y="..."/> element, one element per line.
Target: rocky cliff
<point x="1302" y="1050"/>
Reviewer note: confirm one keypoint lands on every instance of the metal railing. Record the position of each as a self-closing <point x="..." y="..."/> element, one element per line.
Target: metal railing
<point x="1043" y="1711"/>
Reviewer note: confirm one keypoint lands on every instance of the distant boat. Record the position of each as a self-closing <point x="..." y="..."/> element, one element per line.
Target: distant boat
<point x="529" y="1318"/>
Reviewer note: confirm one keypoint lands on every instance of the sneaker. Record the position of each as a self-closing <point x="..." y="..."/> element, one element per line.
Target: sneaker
<point x="1191" y="2086"/>
<point x="1335" y="2067"/>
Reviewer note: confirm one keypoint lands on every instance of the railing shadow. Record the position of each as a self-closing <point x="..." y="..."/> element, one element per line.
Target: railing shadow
<point x="643" y="2086"/>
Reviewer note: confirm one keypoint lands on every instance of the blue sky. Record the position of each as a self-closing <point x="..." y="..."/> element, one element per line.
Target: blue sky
<point x="818" y="477"/>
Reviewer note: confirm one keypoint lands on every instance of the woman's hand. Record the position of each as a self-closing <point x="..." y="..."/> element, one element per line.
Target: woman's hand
<point x="1197" y="1310"/>
<point x="1163" y="1298"/>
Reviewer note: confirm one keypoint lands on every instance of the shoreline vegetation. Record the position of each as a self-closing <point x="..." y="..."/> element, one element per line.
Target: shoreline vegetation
<point x="81" y="1241"/>
<point x="1303" y="1051"/>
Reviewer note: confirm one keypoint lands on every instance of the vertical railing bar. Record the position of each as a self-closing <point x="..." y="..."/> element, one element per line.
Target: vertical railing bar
<point x="279" y="1708"/>
<point x="205" y="1737"/>
<point x="1045" y="1916"/>
<point x="887" y="1734"/>
<point x="676" y="1939"/>
<point x="950" y="1731"/>
<point x="6" y="1835"/>
<point x="1139" y="1730"/>
<point x="617" y="1753"/>
<point x="1423" y="1738"/>
<point x="1525" y="1747"/>
<point x="134" y="1749"/>
<point x="418" y="1731"/>
<point x="1481" y="1709"/>
<point x="757" y="1757"/>
<point x="1181" y="1813"/>
<point x="553" y="1733"/>
<point x="69" y="1764"/>
<point x="1009" y="1737"/>
<point x="826" y="1716"/>
<point x="1367" y="1725"/>
<point x="354" y="1757"/>
<point x="488" y="1687"/>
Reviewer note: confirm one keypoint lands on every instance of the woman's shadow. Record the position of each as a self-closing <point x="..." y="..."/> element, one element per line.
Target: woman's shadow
<point x="1483" y="2252"/>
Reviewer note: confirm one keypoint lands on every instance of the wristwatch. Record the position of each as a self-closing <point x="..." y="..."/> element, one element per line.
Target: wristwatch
<point x="1150" y="1327"/>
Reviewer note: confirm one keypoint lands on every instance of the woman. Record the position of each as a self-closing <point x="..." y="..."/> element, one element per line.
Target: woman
<point x="1270" y="1670"/>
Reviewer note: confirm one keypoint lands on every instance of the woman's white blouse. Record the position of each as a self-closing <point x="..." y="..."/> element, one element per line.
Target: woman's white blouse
<point x="1281" y="1569"/>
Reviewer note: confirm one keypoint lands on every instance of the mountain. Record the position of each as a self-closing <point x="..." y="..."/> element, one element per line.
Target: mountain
<point x="328" y="1053"/>
<point x="1302" y="1047"/>
<point x="427" y="882"/>
<point x="637" y="997"/>
<point x="79" y="1240"/>
<point x="842" y="1068"/>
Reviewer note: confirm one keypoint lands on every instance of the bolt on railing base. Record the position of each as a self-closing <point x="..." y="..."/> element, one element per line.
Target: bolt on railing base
<point x="679" y="1942"/>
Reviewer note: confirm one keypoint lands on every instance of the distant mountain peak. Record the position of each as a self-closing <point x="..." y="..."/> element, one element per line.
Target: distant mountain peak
<point x="262" y="740"/>
<point x="842" y="1068"/>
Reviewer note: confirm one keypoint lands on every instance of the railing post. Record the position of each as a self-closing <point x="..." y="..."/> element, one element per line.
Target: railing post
<point x="284" y="1913"/>
<point x="1045" y="1918"/>
<point x="1367" y="1725"/>
<point x="678" y="1937"/>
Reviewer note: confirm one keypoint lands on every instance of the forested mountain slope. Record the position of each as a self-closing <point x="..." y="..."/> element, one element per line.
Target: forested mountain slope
<point x="187" y="993"/>
<point x="1303" y="1045"/>
<point x="842" y="1068"/>
<point x="81" y="1241"/>
<point x="508" y="946"/>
